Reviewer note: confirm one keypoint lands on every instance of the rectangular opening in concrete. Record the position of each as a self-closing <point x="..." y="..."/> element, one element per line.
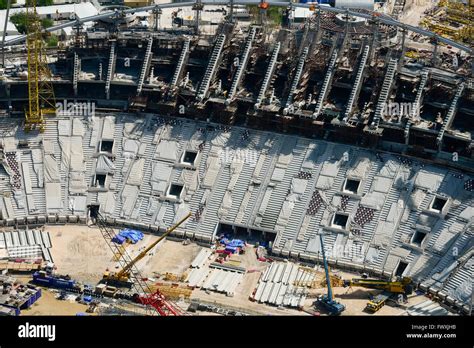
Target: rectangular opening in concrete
<point x="94" y="210"/>
<point x="352" y="186"/>
<point x="401" y="268"/>
<point x="438" y="204"/>
<point x="175" y="190"/>
<point x="99" y="180"/>
<point x="418" y="237"/>
<point x="189" y="157"/>
<point x="106" y="145"/>
<point x="340" y="220"/>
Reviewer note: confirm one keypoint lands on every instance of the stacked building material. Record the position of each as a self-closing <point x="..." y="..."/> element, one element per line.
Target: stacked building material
<point x="201" y="258"/>
<point x="29" y="244"/>
<point x="276" y="287"/>
<point x="223" y="281"/>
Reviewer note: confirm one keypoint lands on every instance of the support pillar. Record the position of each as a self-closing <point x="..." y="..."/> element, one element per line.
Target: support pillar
<point x="403" y="49"/>
<point x="435" y="51"/>
<point x="157" y="11"/>
<point x="197" y="7"/>
<point x="231" y="12"/>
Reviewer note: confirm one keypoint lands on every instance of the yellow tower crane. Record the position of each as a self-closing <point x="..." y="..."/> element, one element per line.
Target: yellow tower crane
<point x="41" y="99"/>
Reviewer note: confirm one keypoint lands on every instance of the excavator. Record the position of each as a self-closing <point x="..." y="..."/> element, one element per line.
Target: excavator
<point x="392" y="290"/>
<point x="123" y="278"/>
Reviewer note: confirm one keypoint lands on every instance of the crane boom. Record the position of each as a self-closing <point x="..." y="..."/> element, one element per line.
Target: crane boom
<point x="140" y="256"/>
<point x="326" y="270"/>
<point x="402" y="286"/>
<point x="154" y="301"/>
<point x="327" y="301"/>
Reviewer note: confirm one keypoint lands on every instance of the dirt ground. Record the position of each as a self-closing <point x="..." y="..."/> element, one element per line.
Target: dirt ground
<point x="168" y="256"/>
<point x="82" y="253"/>
<point x="79" y="251"/>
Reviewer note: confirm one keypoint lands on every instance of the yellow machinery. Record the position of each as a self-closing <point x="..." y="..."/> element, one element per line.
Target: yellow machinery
<point x="172" y="292"/>
<point x="453" y="20"/>
<point x="121" y="250"/>
<point x="40" y="88"/>
<point x="123" y="276"/>
<point x="395" y="290"/>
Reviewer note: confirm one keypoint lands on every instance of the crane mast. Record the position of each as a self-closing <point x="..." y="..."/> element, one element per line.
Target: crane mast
<point x="326" y="269"/>
<point x="327" y="301"/>
<point x="41" y="99"/>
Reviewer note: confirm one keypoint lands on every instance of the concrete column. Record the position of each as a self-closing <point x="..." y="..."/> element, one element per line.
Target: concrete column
<point x="197" y="7"/>
<point x="231" y="12"/>
<point x="435" y="52"/>
<point x="157" y="12"/>
<point x="403" y="47"/>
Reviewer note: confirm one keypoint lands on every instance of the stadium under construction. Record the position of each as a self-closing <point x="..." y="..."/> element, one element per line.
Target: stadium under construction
<point x="266" y="142"/>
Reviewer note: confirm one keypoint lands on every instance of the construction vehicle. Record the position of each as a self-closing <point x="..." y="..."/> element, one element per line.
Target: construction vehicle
<point x="154" y="302"/>
<point x="392" y="290"/>
<point x="327" y="301"/>
<point x="122" y="278"/>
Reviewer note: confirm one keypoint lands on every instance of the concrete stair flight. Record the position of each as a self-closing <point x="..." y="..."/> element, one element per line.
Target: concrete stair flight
<point x="268" y="74"/>
<point x="357" y="83"/>
<point x="326" y="83"/>
<point x="296" y="79"/>
<point x="110" y="70"/>
<point x="146" y="65"/>
<point x="179" y="67"/>
<point x="242" y="64"/>
<point x="211" y="68"/>
<point x="384" y="92"/>
<point x="450" y="114"/>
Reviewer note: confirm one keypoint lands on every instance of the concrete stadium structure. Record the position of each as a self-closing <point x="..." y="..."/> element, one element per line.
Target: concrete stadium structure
<point x="186" y="130"/>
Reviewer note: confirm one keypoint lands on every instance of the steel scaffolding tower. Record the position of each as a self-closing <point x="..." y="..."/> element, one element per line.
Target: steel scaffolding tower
<point x="40" y="89"/>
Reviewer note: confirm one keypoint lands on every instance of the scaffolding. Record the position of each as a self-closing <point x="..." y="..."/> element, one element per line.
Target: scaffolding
<point x="41" y="99"/>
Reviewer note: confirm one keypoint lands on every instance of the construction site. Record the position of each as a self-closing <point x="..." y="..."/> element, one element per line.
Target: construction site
<point x="237" y="158"/>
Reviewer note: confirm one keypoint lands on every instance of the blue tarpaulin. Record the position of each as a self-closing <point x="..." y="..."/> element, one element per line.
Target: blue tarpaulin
<point x="87" y="298"/>
<point x="234" y="242"/>
<point x="133" y="235"/>
<point x="118" y="239"/>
